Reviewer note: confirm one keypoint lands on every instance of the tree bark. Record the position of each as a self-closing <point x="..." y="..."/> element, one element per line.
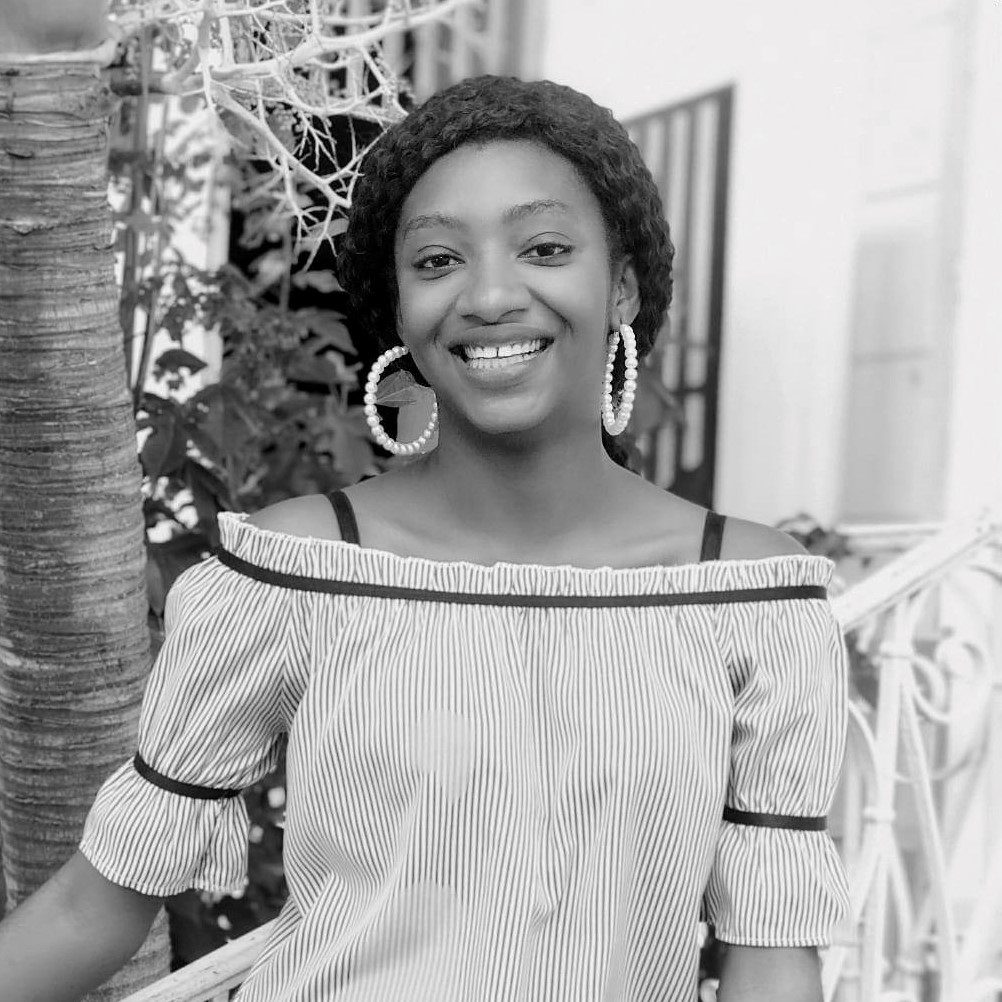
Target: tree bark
<point x="74" y="644"/>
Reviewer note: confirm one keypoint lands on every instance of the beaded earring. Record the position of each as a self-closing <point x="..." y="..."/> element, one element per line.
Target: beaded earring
<point x="372" y="416"/>
<point x="615" y="422"/>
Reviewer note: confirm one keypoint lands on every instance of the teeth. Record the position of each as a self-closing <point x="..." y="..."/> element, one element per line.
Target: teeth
<point x="472" y="351"/>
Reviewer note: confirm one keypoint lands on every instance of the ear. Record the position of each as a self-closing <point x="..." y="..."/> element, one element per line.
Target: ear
<point x="624" y="302"/>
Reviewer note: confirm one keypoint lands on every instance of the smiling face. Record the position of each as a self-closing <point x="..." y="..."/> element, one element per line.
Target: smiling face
<point x="506" y="291"/>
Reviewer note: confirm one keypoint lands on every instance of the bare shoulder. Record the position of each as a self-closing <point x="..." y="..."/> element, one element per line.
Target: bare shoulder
<point x="744" y="540"/>
<point x="310" y="515"/>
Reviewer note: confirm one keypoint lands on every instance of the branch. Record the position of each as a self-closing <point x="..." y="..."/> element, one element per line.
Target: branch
<point x="279" y="68"/>
<point x="297" y="167"/>
<point x="314" y="46"/>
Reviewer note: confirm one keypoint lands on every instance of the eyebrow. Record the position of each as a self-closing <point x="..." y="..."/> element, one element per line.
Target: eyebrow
<point x="513" y="213"/>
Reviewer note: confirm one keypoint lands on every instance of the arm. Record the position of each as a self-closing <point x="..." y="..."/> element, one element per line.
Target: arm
<point x="770" y="974"/>
<point x="772" y="884"/>
<point x="71" y="935"/>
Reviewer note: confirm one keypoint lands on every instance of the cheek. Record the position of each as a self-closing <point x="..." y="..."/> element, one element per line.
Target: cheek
<point x="420" y="307"/>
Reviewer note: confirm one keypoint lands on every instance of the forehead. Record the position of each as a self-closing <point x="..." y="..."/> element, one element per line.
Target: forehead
<point x="482" y="182"/>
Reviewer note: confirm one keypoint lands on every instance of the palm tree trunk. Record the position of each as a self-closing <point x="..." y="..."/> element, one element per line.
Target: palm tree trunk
<point x="74" y="643"/>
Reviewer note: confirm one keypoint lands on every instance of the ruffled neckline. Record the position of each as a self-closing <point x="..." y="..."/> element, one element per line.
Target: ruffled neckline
<point x="335" y="560"/>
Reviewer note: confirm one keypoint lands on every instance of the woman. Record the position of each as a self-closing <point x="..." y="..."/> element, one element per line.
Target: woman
<point x="535" y="723"/>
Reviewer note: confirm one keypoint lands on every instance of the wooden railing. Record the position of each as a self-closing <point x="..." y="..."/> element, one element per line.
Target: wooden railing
<point x="213" y="978"/>
<point x="918" y="819"/>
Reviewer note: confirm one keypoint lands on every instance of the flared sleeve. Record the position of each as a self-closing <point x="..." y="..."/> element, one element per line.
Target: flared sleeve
<point x="213" y="720"/>
<point x="776" y="878"/>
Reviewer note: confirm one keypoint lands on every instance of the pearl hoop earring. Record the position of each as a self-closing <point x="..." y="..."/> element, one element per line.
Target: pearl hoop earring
<point x="372" y="416"/>
<point x="615" y="422"/>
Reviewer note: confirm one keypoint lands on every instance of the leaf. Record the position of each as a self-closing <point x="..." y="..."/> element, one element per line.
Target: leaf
<point x="203" y="497"/>
<point x="352" y="448"/>
<point x="328" y="328"/>
<point x="207" y="396"/>
<point x="176" y="319"/>
<point x="205" y="483"/>
<point x="176" y="359"/>
<point x="322" y="281"/>
<point x="399" y="389"/>
<point x="170" y="559"/>
<point x="154" y="405"/>
<point x="307" y="368"/>
<point x="236" y="409"/>
<point x="177" y="554"/>
<point x="270" y="267"/>
<point x="156" y="590"/>
<point x="154" y="506"/>
<point x="205" y="444"/>
<point x="165" y="449"/>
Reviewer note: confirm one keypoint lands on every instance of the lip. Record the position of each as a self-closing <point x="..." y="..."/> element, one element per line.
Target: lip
<point x="497" y="334"/>
<point x="511" y="373"/>
<point x="500" y="378"/>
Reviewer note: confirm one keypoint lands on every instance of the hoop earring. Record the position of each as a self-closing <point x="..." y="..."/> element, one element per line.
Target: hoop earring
<point x="372" y="416"/>
<point x="614" y="421"/>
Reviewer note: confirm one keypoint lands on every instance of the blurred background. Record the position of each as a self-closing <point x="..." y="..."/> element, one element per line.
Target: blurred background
<point x="829" y="173"/>
<point x="830" y="177"/>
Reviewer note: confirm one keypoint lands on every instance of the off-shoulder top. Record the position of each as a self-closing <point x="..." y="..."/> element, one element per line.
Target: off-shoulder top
<point x="505" y="782"/>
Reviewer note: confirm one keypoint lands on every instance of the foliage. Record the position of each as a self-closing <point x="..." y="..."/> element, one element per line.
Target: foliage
<point x="284" y="419"/>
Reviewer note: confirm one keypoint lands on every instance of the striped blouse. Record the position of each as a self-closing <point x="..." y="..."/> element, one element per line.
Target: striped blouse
<point x="506" y="782"/>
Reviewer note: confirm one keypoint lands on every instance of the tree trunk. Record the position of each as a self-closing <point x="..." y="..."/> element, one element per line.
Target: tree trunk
<point x="74" y="644"/>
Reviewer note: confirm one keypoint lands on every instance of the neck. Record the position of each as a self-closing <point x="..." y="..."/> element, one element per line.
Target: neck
<point x="530" y="493"/>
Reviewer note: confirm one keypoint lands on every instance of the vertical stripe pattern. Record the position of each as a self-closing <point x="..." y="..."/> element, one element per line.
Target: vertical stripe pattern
<point x="491" y="801"/>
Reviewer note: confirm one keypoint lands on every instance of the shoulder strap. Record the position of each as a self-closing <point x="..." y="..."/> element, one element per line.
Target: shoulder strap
<point x="713" y="535"/>
<point x="345" y="516"/>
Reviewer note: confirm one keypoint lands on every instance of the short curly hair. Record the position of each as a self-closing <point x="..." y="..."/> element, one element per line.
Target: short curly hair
<point x="479" y="110"/>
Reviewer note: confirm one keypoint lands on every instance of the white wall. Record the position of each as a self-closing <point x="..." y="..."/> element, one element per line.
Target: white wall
<point x="830" y="103"/>
<point x="974" y="475"/>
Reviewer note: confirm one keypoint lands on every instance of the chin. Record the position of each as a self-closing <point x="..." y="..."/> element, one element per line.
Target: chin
<point x="507" y="427"/>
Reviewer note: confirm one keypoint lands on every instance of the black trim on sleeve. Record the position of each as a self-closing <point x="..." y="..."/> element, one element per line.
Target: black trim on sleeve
<point x="174" y="786"/>
<point x="793" y="821"/>
<point x="361" y="589"/>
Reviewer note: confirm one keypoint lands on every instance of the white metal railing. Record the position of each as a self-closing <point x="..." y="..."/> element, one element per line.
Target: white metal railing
<point x="914" y="819"/>
<point x="917" y="831"/>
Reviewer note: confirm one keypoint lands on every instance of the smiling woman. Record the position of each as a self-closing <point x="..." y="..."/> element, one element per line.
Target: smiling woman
<point x="506" y="293"/>
<point x="541" y="715"/>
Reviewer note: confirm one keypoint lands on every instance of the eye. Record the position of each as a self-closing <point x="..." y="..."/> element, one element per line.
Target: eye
<point x="437" y="261"/>
<point x="547" y="250"/>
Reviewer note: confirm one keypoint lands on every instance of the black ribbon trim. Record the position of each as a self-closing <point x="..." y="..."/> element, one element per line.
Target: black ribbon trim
<point x="363" y="590"/>
<point x="713" y="537"/>
<point x="793" y="821"/>
<point x="174" y="786"/>
<point x="345" y="517"/>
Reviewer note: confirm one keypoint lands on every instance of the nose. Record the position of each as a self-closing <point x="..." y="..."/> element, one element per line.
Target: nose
<point x="493" y="290"/>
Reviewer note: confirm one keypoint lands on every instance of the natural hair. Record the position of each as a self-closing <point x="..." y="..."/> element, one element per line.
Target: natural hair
<point x="480" y="110"/>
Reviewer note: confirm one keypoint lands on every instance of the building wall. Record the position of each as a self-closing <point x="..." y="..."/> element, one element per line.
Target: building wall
<point x="973" y="477"/>
<point x="851" y="145"/>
